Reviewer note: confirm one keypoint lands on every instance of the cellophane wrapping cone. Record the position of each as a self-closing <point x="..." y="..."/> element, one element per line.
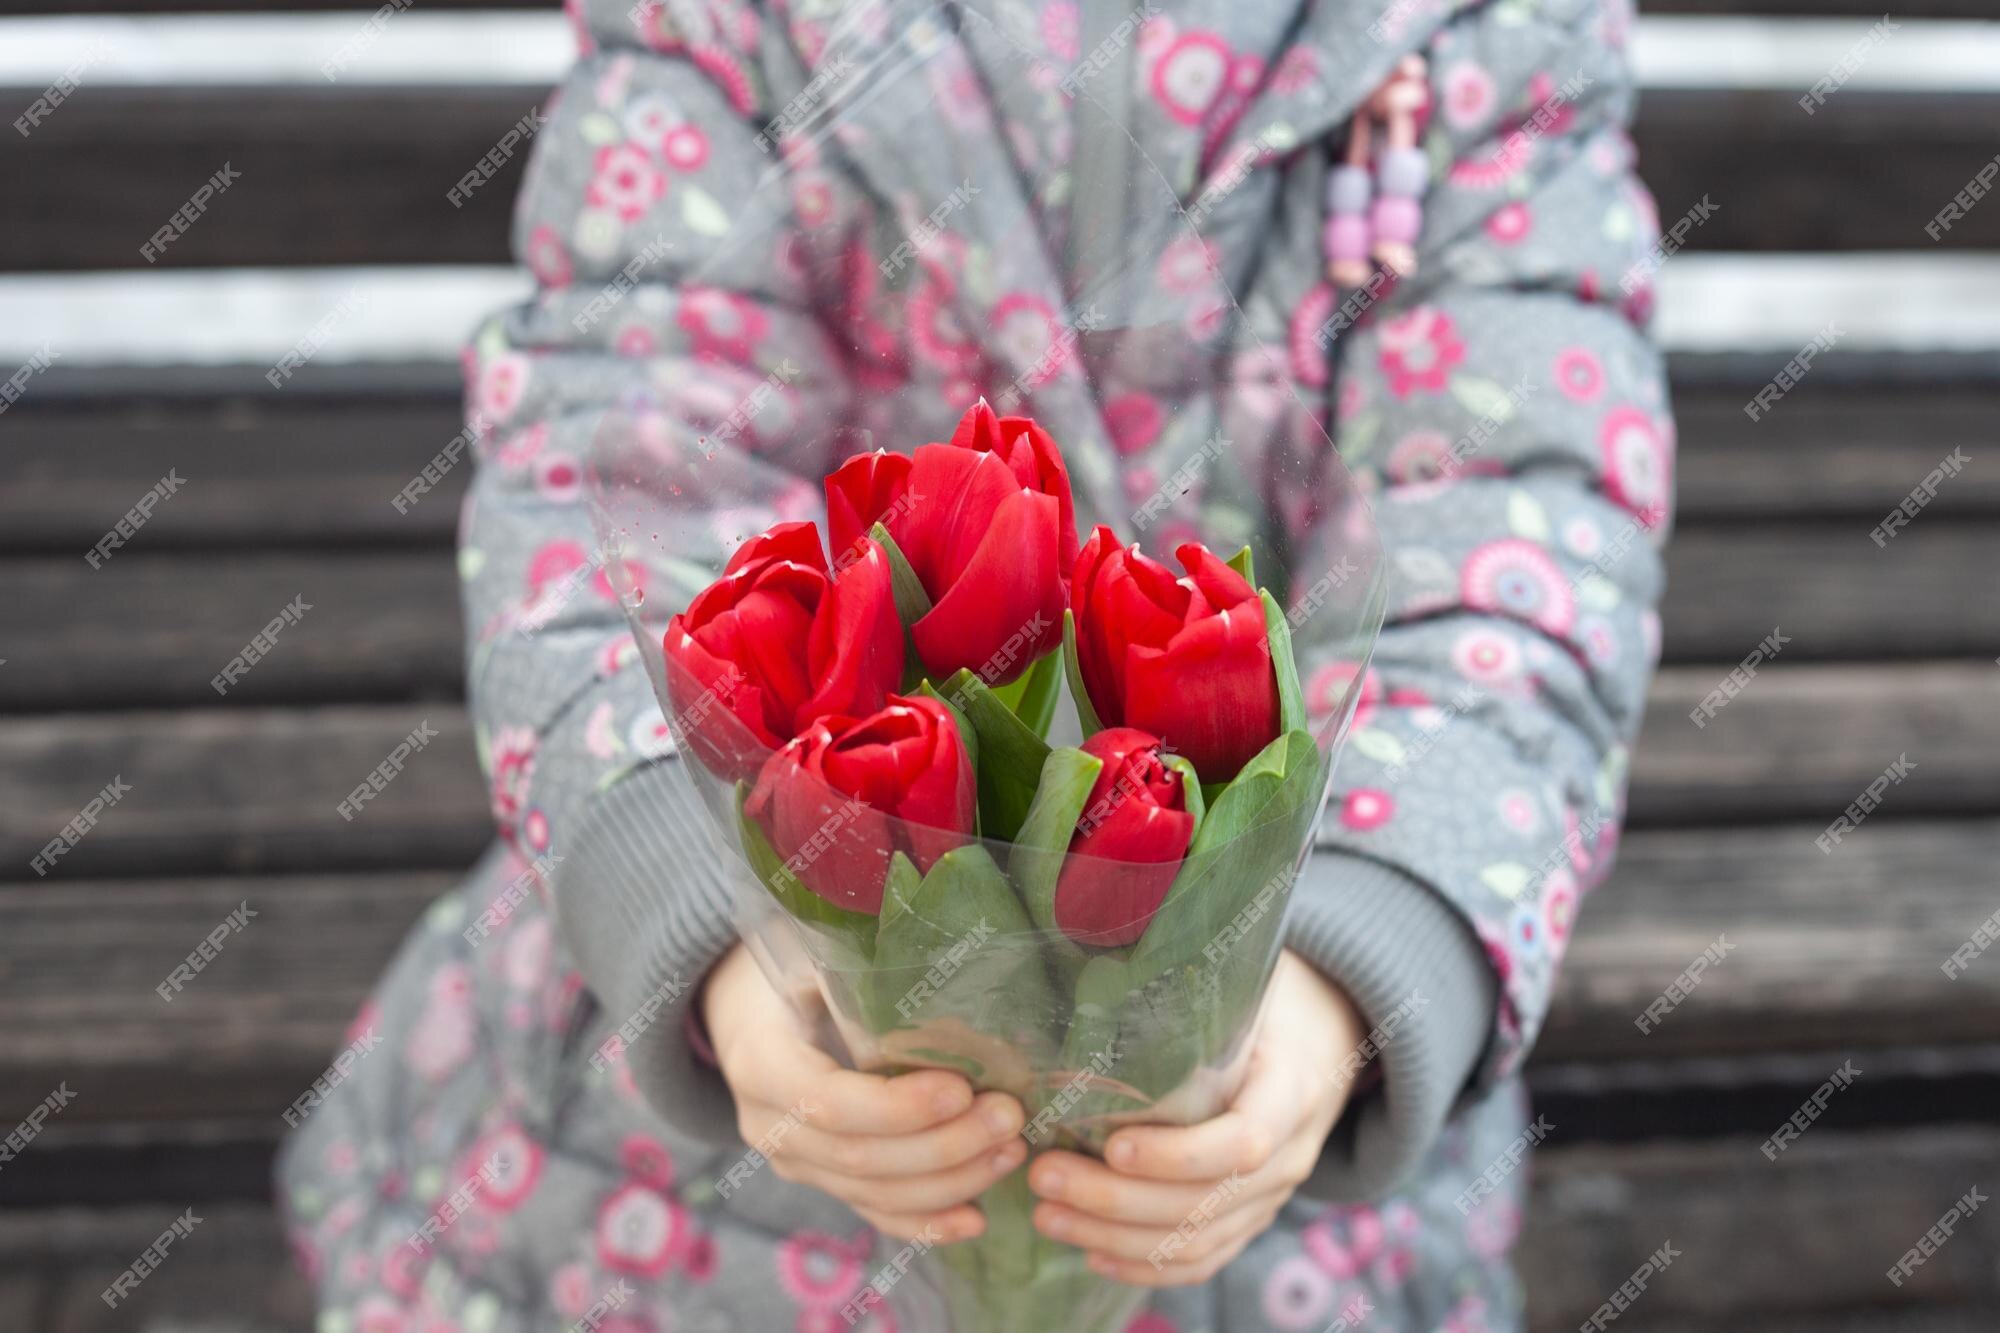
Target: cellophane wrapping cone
<point x="1089" y="300"/>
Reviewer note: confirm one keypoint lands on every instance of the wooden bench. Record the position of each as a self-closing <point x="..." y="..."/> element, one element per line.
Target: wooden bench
<point x="1656" y="1136"/>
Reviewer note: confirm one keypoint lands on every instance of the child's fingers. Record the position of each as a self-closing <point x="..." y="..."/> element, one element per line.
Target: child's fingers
<point x="1204" y="1238"/>
<point x="919" y="1194"/>
<point x="993" y="1120"/>
<point x="940" y="1228"/>
<point x="1088" y="1186"/>
<point x="1237" y="1142"/>
<point x="803" y="1081"/>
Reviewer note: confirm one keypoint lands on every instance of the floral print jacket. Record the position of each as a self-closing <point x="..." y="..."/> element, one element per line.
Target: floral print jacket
<point x="1502" y="410"/>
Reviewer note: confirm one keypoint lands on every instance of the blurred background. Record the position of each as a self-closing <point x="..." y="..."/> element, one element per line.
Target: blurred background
<point x="275" y="376"/>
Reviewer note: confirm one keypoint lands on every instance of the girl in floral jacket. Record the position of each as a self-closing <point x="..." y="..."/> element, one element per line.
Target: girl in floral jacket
<point x="571" y="1051"/>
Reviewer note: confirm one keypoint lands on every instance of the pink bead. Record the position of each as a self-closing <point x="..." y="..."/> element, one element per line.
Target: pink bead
<point x="1398" y="219"/>
<point x="1346" y="237"/>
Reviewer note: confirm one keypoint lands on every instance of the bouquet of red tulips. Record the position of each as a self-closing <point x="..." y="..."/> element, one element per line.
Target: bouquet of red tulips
<point x="1089" y="926"/>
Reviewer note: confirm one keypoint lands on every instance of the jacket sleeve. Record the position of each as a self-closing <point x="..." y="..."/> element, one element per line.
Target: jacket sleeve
<point x="672" y="288"/>
<point x="1508" y="417"/>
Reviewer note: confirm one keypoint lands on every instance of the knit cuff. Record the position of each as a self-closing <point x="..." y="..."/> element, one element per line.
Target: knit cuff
<point x="643" y="906"/>
<point x="1427" y="996"/>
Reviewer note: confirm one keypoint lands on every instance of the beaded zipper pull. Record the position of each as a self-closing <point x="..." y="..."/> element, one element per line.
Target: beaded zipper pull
<point x="1378" y="214"/>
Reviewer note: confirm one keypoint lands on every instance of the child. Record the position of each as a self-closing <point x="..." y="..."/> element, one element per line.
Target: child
<point x="552" y="1130"/>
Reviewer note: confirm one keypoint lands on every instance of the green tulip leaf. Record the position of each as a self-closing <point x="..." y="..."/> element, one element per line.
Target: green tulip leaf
<point x="912" y="602"/>
<point x="856" y="929"/>
<point x="1042" y="842"/>
<point x="1086" y="715"/>
<point x="1190" y="789"/>
<point x="1291" y="699"/>
<point x="1032" y="695"/>
<point x="1241" y="563"/>
<point x="1010" y="754"/>
<point x="950" y="947"/>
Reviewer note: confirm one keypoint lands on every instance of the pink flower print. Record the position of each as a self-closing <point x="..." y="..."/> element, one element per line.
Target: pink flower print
<point x="1190" y="75"/>
<point x="936" y="335"/>
<point x="378" y="1314"/>
<point x="1304" y="339"/>
<point x="635" y="341"/>
<point x="639" y="1231"/>
<point x="1518" y="812"/>
<point x="440" y="1040"/>
<point x="722" y="66"/>
<point x="1327" y="687"/>
<point x="1492" y="166"/>
<point x="1600" y="641"/>
<point x="1366" y="809"/>
<point x="1151" y="1321"/>
<point x="403" y="1268"/>
<point x="513" y="769"/>
<point x="685" y="148"/>
<point x="1559" y="895"/>
<point x="626" y="181"/>
<point x="1468" y="1316"/>
<point x="548" y="258"/>
<point x="558" y="479"/>
<point x="1579" y="374"/>
<point x="656" y="27"/>
<point x="503" y="382"/>
<point x="1156" y="34"/>
<point x="650" y="737"/>
<point x="1510" y="223"/>
<point x="702" y="1259"/>
<point x="1418" y="351"/>
<point x="524" y="959"/>
<point x="1060" y="31"/>
<point x="1468" y="95"/>
<point x="1297" y="1295"/>
<point x="723" y="326"/>
<point x="506" y="1163"/>
<point x="1542" y="96"/>
<point x="522" y="447"/>
<point x="571" y="1291"/>
<point x="1638" y="464"/>
<point x="812" y="198"/>
<point x="1487" y="657"/>
<point x="649" y="116"/>
<point x="1187" y="265"/>
<point x="1515" y="577"/>
<point x="1421" y="456"/>
<point x="818" y="1270"/>
<point x="1296" y="70"/>
<point x="647" y="1160"/>
<point x="1133" y="420"/>
<point x="1033" y="339"/>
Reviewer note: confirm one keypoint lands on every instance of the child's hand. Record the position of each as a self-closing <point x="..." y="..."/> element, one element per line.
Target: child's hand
<point x="905" y="1153"/>
<point x="1172" y="1206"/>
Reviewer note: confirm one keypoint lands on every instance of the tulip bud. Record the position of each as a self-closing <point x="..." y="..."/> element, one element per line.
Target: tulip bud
<point x="847" y="794"/>
<point x="1187" y="659"/>
<point x="1134" y="829"/>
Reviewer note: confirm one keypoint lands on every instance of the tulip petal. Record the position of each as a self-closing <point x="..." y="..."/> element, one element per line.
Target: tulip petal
<point x="1118" y="874"/>
<point x="795" y="542"/>
<point x="1211" y="694"/>
<point x="855" y="650"/>
<point x="859" y="493"/>
<point x="1005" y="608"/>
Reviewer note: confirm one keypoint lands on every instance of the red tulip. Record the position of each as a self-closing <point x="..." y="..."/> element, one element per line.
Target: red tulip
<point x="988" y="527"/>
<point x="1128" y="844"/>
<point x="846" y="794"/>
<point x="1186" y="659"/>
<point x="778" y="641"/>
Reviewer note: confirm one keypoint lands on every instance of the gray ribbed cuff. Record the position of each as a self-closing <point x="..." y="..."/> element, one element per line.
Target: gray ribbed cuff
<point x="1427" y="994"/>
<point x="642" y="904"/>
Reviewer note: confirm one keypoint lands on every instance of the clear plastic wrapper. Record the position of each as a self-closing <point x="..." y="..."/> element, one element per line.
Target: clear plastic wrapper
<point x="961" y="915"/>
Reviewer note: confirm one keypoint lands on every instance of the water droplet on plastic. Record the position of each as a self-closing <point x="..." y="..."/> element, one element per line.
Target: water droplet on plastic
<point x="638" y="597"/>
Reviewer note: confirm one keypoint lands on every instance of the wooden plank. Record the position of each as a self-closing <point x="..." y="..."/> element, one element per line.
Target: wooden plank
<point x="233" y="1274"/>
<point x="245" y="1037"/>
<point x="241" y="791"/>
<point x="1821" y="957"/>
<point x="386" y="626"/>
<point x="256" y="789"/>
<point x="332" y="175"/>
<point x="1800" y="1244"/>
<point x="1823" y="961"/>
<point x="321" y="468"/>
<point x="373" y="627"/>
<point x="1810" y="1236"/>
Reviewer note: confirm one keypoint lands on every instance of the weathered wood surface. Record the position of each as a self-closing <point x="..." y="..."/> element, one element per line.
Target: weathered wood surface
<point x="331" y="174"/>
<point x="1800" y="1244"/>
<point x="1823" y="958"/>
<point x="322" y="468"/>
